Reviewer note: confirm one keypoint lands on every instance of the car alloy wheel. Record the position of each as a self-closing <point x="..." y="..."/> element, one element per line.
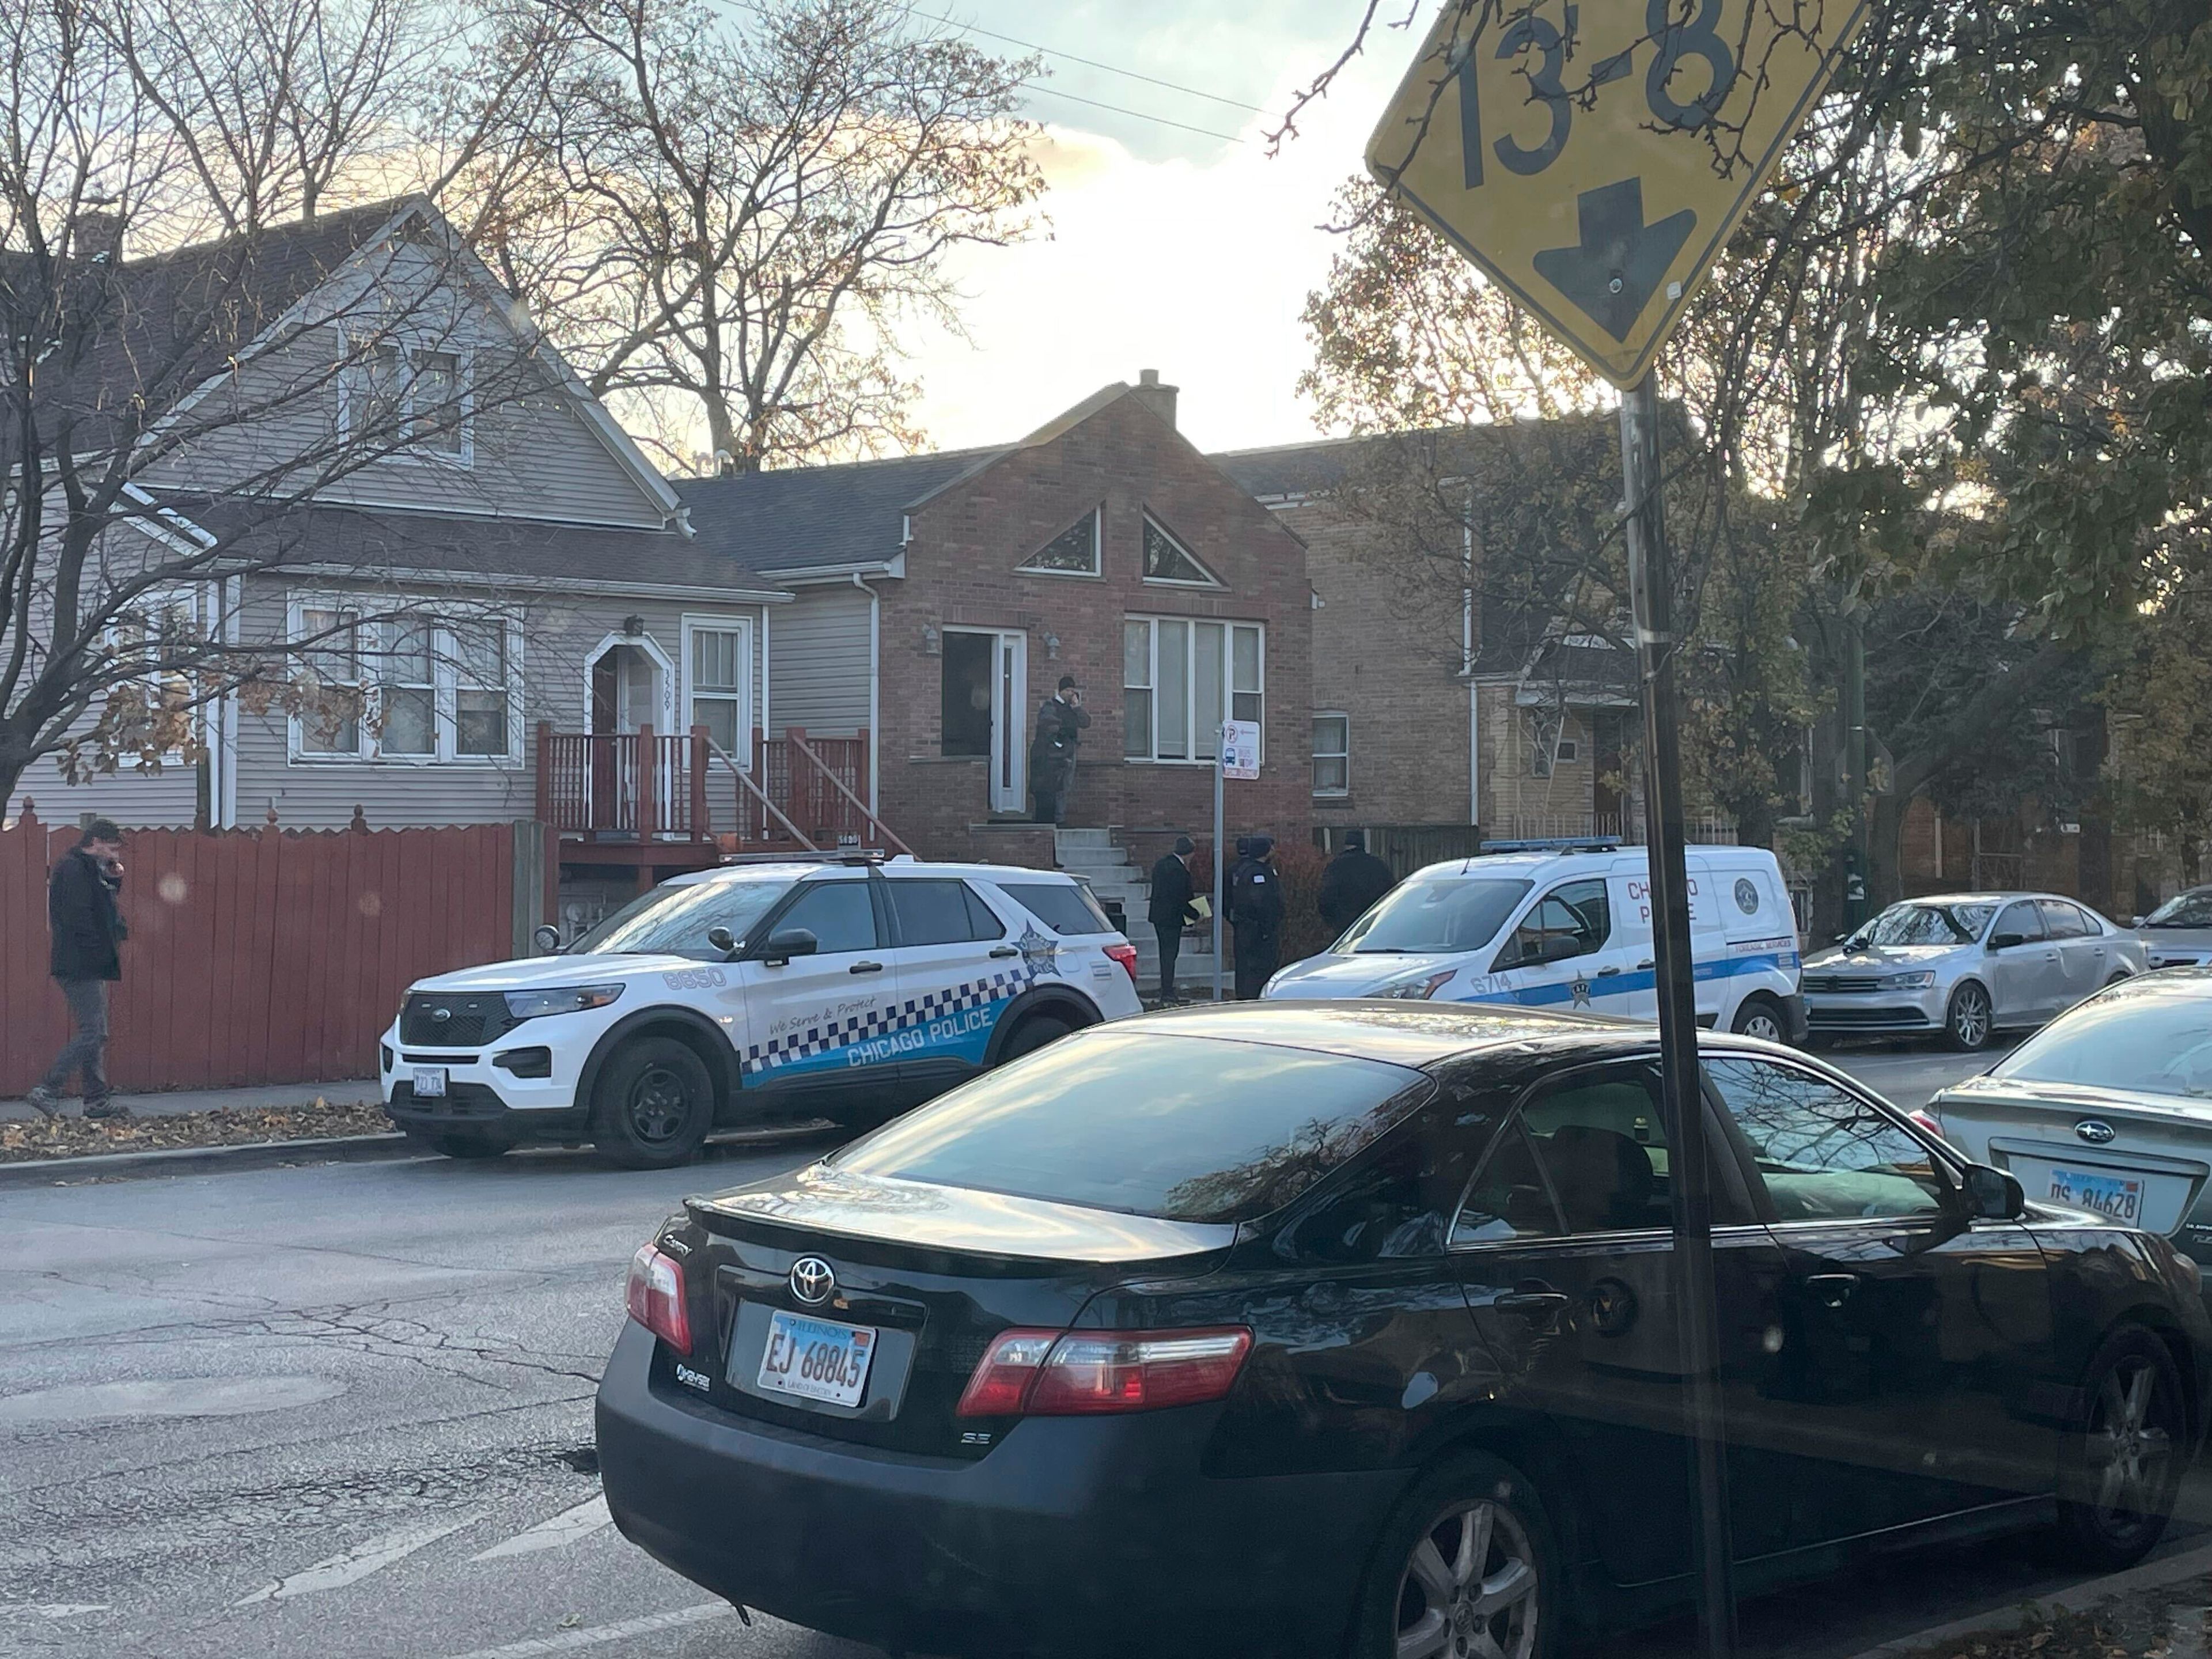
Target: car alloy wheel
<point x="659" y="1106"/>
<point x="1970" y="1016"/>
<point x="1758" y="1019"/>
<point x="1469" y="1588"/>
<point x="2129" y="1447"/>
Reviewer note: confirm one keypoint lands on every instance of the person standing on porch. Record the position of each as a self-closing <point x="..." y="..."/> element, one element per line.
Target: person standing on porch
<point x="1061" y="720"/>
<point x="87" y="924"/>
<point x="1171" y="911"/>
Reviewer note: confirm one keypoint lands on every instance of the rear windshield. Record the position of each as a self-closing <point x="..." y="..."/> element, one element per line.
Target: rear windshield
<point x="1061" y="906"/>
<point x="1458" y="913"/>
<point x="2155" y="1040"/>
<point x="1184" y="1127"/>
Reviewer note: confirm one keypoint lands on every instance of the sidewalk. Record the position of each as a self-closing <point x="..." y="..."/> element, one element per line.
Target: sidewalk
<point x="177" y="1102"/>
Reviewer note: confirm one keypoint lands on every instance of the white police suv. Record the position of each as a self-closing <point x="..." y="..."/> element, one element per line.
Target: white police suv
<point x="850" y="988"/>
<point x="1569" y="926"/>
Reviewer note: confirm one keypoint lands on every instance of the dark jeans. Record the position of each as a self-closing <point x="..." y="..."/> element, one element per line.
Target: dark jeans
<point x="1170" y="941"/>
<point x="1255" y="963"/>
<point x="87" y="1043"/>
<point x="1048" y="804"/>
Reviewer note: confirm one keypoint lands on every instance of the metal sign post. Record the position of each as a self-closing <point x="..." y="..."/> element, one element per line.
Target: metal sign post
<point x="1650" y="591"/>
<point x="1236" y="755"/>
<point x="1220" y="858"/>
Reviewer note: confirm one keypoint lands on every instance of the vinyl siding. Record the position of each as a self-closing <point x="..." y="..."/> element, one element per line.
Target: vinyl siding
<point x="818" y="662"/>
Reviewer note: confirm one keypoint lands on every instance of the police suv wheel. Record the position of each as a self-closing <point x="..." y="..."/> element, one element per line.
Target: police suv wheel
<point x="1032" y="1034"/>
<point x="653" y="1105"/>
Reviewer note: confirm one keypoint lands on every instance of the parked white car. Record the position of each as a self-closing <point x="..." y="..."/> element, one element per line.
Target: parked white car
<point x="850" y="989"/>
<point x="1571" y="928"/>
<point x="1966" y="965"/>
<point x="2179" y="933"/>
<point x="2108" y="1107"/>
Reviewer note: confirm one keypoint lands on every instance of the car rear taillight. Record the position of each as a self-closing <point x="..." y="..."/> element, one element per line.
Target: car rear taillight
<point x="655" y="1298"/>
<point x="1080" y="1373"/>
<point x="1126" y="956"/>
<point x="1929" y="1119"/>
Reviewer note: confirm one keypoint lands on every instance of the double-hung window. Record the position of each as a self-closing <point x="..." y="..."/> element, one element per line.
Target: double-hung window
<point x="414" y="687"/>
<point x="156" y="641"/>
<point x="409" y="400"/>
<point x="1331" y="754"/>
<point x="720" y="670"/>
<point x="1180" y="678"/>
<point x="329" y="721"/>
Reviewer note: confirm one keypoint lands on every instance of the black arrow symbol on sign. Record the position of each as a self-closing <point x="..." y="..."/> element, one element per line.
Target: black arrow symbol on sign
<point x="1612" y="275"/>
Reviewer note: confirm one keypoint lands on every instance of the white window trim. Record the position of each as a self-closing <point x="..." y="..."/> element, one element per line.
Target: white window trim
<point x="739" y="623"/>
<point x="1097" y="571"/>
<point x="465" y="371"/>
<point x="1211" y="580"/>
<point x="1228" y="625"/>
<point x="295" y="630"/>
<point x="198" y="600"/>
<point x="445" y="719"/>
<point x="1344" y="755"/>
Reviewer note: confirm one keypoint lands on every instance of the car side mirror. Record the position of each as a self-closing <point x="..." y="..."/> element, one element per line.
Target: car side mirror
<point x="547" y="939"/>
<point x="1992" y="1194"/>
<point x="2006" y="941"/>
<point x="788" y="942"/>
<point x="722" y="939"/>
<point x="2137" y="922"/>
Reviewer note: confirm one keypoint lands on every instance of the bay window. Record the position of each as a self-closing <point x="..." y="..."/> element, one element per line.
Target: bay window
<point x="1180" y="678"/>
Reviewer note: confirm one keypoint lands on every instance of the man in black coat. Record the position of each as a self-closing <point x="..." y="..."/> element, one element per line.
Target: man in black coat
<point x="88" y="936"/>
<point x="1256" y="908"/>
<point x="1061" y="720"/>
<point x="1355" y="878"/>
<point x="1171" y="911"/>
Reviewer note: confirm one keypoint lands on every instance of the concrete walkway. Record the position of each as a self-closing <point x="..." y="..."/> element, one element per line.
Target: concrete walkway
<point x="172" y="1102"/>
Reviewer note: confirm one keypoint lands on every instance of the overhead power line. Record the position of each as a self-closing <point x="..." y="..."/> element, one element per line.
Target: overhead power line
<point x="1091" y="63"/>
<point x="1055" y="92"/>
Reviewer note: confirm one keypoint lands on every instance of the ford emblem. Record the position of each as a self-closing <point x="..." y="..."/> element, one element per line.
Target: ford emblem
<point x="440" y="1015"/>
<point x="812" y="1280"/>
<point x="2094" y="1130"/>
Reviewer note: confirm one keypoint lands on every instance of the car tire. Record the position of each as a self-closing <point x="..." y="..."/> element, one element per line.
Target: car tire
<point x="1761" y="1016"/>
<point x="2120" y="978"/>
<point x="653" y="1105"/>
<point x="1033" y="1033"/>
<point x="1424" y="1575"/>
<point x="1969" y="1019"/>
<point x="2124" y="1454"/>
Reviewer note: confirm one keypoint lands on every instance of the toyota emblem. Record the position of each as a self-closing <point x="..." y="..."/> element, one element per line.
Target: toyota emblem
<point x="812" y="1280"/>
<point x="2094" y="1130"/>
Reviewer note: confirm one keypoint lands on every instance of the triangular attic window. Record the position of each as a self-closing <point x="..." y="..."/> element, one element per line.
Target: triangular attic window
<point x="1167" y="560"/>
<point x="1073" y="552"/>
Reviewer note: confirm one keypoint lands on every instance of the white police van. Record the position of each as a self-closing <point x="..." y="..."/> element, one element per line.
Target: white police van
<point x="849" y="988"/>
<point x="1569" y="926"/>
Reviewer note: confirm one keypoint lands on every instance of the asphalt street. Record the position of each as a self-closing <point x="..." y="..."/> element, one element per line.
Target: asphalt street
<point x="346" y="1410"/>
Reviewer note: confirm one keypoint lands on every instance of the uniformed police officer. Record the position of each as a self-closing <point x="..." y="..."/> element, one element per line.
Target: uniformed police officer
<point x="1255" y="910"/>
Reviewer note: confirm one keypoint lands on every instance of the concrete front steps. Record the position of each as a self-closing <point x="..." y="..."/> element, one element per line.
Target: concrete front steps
<point x="1093" y="855"/>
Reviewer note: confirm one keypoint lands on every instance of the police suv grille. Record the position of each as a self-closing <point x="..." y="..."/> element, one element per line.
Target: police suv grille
<point x="460" y="1100"/>
<point x="1840" y="984"/>
<point x="454" y="1022"/>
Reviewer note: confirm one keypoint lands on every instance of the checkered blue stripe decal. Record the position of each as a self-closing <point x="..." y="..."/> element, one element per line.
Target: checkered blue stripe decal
<point x="956" y="1021"/>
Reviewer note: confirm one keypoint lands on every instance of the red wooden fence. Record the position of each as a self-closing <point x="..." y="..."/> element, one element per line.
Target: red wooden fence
<point x="255" y="956"/>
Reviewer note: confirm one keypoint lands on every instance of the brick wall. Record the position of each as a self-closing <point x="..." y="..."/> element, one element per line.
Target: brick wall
<point x="961" y="572"/>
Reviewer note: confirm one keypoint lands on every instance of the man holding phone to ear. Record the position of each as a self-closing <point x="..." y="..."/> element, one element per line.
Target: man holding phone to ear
<point x="86" y="923"/>
<point x="1061" y="720"/>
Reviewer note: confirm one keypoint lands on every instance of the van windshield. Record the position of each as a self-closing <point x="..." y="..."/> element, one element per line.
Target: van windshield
<point x="1458" y="913"/>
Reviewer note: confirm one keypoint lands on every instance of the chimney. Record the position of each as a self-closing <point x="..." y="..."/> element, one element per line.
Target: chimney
<point x="1160" y="399"/>
<point x="94" y="236"/>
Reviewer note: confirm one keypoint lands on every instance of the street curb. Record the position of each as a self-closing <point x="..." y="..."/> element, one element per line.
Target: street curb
<point x="2189" y="1563"/>
<point x="195" y="1160"/>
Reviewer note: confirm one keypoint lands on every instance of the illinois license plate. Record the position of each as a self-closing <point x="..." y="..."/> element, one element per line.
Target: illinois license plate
<point x="429" y="1082"/>
<point x="816" y="1359"/>
<point x="2118" y="1196"/>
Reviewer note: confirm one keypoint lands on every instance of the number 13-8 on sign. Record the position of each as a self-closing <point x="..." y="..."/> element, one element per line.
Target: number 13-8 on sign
<point x="1690" y="37"/>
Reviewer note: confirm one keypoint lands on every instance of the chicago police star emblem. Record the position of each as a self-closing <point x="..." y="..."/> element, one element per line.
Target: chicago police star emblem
<point x="1039" y="952"/>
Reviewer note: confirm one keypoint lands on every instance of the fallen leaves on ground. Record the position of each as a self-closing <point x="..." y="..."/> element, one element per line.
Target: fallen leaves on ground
<point x="2149" y="1624"/>
<point x="77" y="1136"/>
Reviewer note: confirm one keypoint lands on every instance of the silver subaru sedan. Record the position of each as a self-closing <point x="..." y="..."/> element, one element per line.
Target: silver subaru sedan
<point x="1965" y="966"/>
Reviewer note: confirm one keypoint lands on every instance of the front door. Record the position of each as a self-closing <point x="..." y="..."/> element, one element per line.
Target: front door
<point x="1908" y="1373"/>
<point x="1009" y="722"/>
<point x="1571" y="952"/>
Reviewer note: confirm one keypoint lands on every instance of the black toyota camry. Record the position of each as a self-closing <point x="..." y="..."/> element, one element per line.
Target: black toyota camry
<point x="1348" y="1329"/>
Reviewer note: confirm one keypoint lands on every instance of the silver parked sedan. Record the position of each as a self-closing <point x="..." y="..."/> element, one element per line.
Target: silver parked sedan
<point x="2109" y="1107"/>
<point x="1966" y="965"/>
<point x="2179" y="933"/>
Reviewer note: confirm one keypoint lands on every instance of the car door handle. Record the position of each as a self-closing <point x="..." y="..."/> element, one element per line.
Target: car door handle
<point x="866" y="968"/>
<point x="1832" y="1290"/>
<point x="1006" y="951"/>
<point x="1645" y="966"/>
<point x="1608" y="973"/>
<point x="1537" y="1307"/>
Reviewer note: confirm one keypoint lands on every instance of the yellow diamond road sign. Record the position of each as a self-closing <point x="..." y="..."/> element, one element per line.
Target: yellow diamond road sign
<point x="1593" y="156"/>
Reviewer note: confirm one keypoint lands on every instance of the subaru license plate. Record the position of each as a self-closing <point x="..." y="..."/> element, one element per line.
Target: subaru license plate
<point x="429" y="1082"/>
<point x="2117" y="1196"/>
<point x="816" y="1359"/>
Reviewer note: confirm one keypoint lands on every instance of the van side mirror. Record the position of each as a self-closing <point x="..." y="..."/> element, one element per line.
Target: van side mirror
<point x="1992" y="1194"/>
<point x="2006" y="941"/>
<point x="722" y="939"/>
<point x="788" y="942"/>
<point x="547" y="939"/>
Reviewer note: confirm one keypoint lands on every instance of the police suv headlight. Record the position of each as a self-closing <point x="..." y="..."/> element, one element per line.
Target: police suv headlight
<point x="561" y="1000"/>
<point x="1922" y="981"/>
<point x="1419" y="989"/>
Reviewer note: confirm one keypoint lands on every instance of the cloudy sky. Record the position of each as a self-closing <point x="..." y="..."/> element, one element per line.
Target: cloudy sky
<point x="1169" y="249"/>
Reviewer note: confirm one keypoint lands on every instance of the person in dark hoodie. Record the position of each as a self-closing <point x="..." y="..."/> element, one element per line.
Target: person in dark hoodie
<point x="1355" y="878"/>
<point x="1255" y="909"/>
<point x="1171" y="911"/>
<point x="87" y="924"/>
